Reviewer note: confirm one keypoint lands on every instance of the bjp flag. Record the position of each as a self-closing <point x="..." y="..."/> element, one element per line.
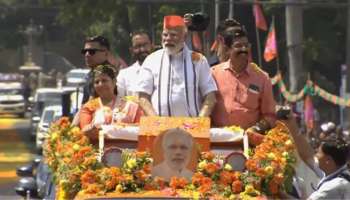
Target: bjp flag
<point x="309" y="112"/>
<point x="260" y="21"/>
<point x="270" y="51"/>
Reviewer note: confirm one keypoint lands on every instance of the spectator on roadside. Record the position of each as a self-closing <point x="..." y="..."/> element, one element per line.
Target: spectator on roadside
<point x="128" y="77"/>
<point x="329" y="162"/>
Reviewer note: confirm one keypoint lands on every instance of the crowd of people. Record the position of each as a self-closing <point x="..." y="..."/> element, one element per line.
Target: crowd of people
<point x="177" y="81"/>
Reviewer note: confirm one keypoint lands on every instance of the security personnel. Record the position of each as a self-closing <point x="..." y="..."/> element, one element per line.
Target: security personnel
<point x="244" y="96"/>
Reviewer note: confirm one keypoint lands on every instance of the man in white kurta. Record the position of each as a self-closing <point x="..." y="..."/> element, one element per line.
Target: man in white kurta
<point x="175" y="81"/>
<point x="128" y="78"/>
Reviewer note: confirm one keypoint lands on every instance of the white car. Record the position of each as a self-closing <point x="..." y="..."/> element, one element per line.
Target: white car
<point x="49" y="115"/>
<point x="76" y="77"/>
<point x="11" y="98"/>
<point x="46" y="97"/>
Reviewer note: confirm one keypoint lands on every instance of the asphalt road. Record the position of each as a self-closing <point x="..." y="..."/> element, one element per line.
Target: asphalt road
<point x="16" y="149"/>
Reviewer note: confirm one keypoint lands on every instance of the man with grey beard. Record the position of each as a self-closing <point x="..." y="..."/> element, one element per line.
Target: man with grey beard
<point x="175" y="81"/>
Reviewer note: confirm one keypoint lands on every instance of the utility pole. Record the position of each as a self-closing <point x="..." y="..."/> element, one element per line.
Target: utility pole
<point x="294" y="18"/>
<point x="347" y="85"/>
<point x="217" y="14"/>
<point x="231" y="7"/>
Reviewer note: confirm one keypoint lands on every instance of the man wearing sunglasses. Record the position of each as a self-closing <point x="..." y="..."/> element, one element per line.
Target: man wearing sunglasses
<point x="244" y="94"/>
<point x="95" y="52"/>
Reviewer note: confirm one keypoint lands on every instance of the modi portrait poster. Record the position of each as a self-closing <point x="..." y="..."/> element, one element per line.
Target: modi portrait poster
<point x="175" y="143"/>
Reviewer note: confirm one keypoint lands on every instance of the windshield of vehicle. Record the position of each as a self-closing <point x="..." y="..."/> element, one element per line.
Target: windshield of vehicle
<point x="10" y="91"/>
<point x="78" y="75"/>
<point x="48" y="116"/>
<point x="50" y="98"/>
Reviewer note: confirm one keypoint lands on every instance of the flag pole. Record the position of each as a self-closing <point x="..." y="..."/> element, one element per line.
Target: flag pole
<point x="277" y="56"/>
<point x="280" y="97"/>
<point x="258" y="45"/>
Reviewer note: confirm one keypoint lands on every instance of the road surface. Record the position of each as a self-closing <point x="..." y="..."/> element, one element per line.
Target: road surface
<point x="16" y="149"/>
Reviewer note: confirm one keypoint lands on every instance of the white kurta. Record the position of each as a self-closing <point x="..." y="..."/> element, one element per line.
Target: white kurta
<point x="127" y="80"/>
<point x="177" y="83"/>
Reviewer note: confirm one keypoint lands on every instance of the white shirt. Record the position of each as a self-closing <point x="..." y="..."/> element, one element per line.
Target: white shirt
<point x="177" y="84"/>
<point x="332" y="187"/>
<point x="127" y="80"/>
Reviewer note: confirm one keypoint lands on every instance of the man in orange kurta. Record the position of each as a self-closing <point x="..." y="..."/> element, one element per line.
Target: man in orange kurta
<point x="244" y="95"/>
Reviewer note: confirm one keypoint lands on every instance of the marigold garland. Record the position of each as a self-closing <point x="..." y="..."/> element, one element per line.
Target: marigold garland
<point x="74" y="164"/>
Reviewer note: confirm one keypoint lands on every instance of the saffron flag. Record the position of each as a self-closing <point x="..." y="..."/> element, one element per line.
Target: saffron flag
<point x="308" y="112"/>
<point x="260" y="21"/>
<point x="270" y="51"/>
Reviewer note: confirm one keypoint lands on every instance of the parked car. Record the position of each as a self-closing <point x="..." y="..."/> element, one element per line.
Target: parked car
<point x="49" y="115"/>
<point x="11" y="98"/>
<point x="76" y="77"/>
<point x="35" y="180"/>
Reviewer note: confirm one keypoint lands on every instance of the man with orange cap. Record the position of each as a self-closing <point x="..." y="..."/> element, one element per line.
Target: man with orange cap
<point x="175" y="81"/>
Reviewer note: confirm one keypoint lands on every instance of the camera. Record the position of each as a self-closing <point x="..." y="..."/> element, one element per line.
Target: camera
<point x="199" y="21"/>
<point x="283" y="112"/>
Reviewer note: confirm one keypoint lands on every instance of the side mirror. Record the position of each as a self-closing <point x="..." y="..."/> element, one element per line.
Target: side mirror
<point x="25" y="171"/>
<point x="26" y="187"/>
<point x="37" y="160"/>
<point x="36" y="119"/>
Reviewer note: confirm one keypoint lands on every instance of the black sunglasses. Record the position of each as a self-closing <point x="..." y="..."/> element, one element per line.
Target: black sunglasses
<point x="90" y="51"/>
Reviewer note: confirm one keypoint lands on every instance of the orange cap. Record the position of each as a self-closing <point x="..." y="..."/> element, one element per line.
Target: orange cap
<point x="172" y="21"/>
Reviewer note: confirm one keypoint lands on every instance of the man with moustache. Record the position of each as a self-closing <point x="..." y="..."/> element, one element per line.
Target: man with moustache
<point x="175" y="81"/>
<point x="127" y="78"/>
<point x="244" y="96"/>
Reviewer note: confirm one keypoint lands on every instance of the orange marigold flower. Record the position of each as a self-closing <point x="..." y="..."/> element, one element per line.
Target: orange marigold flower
<point x="226" y="178"/>
<point x="147" y="168"/>
<point x="178" y="183"/>
<point x="251" y="164"/>
<point x="273" y="187"/>
<point x="261" y="172"/>
<point x="110" y="184"/>
<point x="149" y="186"/>
<point x="63" y="122"/>
<point x="197" y="179"/>
<point x="278" y="178"/>
<point x="237" y="186"/>
<point x="160" y="182"/>
<point x="88" y="178"/>
<point x="236" y="175"/>
<point x="208" y="155"/>
<point x="204" y="189"/>
<point x="114" y="171"/>
<point x="211" y="168"/>
<point x="141" y="154"/>
<point x="141" y="175"/>
<point x="93" y="188"/>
